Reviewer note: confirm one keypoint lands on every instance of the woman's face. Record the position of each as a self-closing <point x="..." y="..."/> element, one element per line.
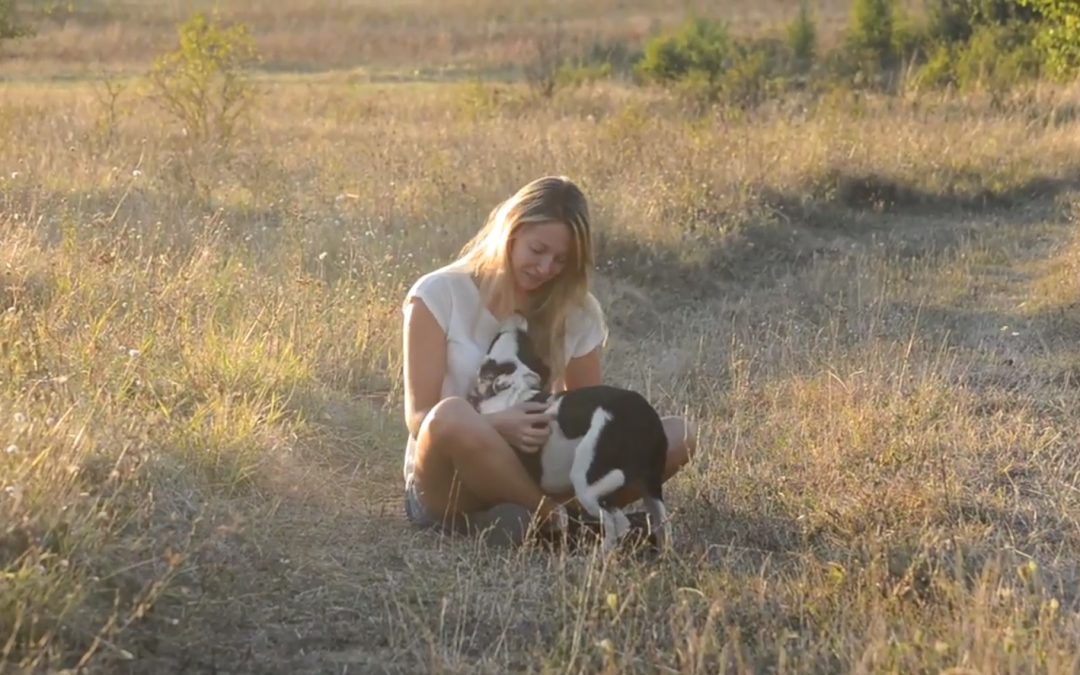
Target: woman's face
<point x="538" y="254"/>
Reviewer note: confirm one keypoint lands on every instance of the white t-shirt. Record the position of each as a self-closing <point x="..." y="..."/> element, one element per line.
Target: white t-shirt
<point x="454" y="299"/>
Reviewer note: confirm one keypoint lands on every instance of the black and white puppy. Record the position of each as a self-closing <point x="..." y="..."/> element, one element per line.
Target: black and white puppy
<point x="602" y="437"/>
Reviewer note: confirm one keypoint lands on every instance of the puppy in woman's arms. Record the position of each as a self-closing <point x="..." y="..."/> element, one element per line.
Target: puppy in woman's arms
<point x="602" y="437"/>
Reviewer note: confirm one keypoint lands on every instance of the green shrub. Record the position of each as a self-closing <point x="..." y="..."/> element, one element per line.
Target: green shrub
<point x="949" y="21"/>
<point x="10" y="26"/>
<point x="938" y="72"/>
<point x="202" y="84"/>
<point x="1058" y="36"/>
<point x="911" y="41"/>
<point x="802" y="39"/>
<point x="696" y="91"/>
<point x="996" y="58"/>
<point x="956" y="20"/>
<point x="700" y="47"/>
<point x="703" y="65"/>
<point x="753" y="75"/>
<point x="870" y="35"/>
<point x="880" y="40"/>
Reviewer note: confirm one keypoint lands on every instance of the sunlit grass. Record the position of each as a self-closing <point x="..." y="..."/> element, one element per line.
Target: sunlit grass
<point x="200" y="396"/>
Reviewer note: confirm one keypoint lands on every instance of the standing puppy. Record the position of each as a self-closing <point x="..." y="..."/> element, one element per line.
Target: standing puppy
<point x="601" y="439"/>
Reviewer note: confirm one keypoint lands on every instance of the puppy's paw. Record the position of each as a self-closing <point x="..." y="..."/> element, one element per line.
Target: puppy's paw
<point x="558" y="519"/>
<point x="610" y="531"/>
<point x="621" y="523"/>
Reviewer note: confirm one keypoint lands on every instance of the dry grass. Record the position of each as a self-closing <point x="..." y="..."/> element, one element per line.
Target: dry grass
<point x="442" y="37"/>
<point x="868" y="306"/>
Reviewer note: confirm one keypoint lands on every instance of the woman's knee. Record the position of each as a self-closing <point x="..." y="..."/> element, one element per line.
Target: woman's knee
<point x="689" y="438"/>
<point x="682" y="439"/>
<point x="451" y="425"/>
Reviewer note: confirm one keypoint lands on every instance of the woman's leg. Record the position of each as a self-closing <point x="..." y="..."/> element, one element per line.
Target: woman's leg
<point x="464" y="466"/>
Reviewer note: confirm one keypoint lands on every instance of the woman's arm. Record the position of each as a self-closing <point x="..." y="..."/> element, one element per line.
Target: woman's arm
<point x="425" y="363"/>
<point x="583" y="371"/>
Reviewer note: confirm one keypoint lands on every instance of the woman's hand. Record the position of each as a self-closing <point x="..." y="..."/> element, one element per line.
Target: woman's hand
<point x="525" y="426"/>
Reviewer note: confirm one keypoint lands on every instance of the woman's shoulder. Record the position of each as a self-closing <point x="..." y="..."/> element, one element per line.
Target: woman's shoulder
<point x="445" y="292"/>
<point x="449" y="278"/>
<point x="585" y="327"/>
<point x="586" y="314"/>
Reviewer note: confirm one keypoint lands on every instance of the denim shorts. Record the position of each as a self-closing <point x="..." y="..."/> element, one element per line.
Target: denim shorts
<point x="419" y="516"/>
<point x="414" y="508"/>
<point x="503" y="523"/>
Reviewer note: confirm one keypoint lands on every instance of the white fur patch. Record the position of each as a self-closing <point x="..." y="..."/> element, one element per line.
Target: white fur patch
<point x="622" y="523"/>
<point x="610" y="482"/>
<point x="659" y="522"/>
<point x="583" y="459"/>
<point x="505" y="348"/>
<point x="557" y="459"/>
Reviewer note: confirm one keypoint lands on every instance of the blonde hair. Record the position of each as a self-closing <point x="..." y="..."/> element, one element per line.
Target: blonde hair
<point x="487" y="256"/>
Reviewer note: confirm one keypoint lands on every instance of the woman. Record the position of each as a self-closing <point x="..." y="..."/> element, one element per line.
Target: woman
<point x="532" y="256"/>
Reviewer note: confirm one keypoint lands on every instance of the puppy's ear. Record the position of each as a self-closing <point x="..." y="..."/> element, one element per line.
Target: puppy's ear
<point x="545" y="374"/>
<point x="486" y="369"/>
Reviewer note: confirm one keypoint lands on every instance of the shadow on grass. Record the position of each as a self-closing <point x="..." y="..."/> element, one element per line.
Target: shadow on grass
<point x="739" y="540"/>
<point x="967" y="193"/>
<point x="791" y="229"/>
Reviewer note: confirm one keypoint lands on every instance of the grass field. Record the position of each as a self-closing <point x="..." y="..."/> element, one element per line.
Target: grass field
<point x="869" y="305"/>
<point x="446" y="38"/>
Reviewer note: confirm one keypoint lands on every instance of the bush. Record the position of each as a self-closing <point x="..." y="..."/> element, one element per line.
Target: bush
<point x="910" y="39"/>
<point x="203" y="84"/>
<point x="703" y="65"/>
<point x="700" y="48"/>
<point x="880" y="39"/>
<point x="949" y="21"/>
<point x="938" y="72"/>
<point x="1058" y="36"/>
<point x="870" y="35"/>
<point x="10" y="27"/>
<point x="802" y="39"/>
<point x="753" y="74"/>
<point x="995" y="58"/>
<point x="956" y="20"/>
